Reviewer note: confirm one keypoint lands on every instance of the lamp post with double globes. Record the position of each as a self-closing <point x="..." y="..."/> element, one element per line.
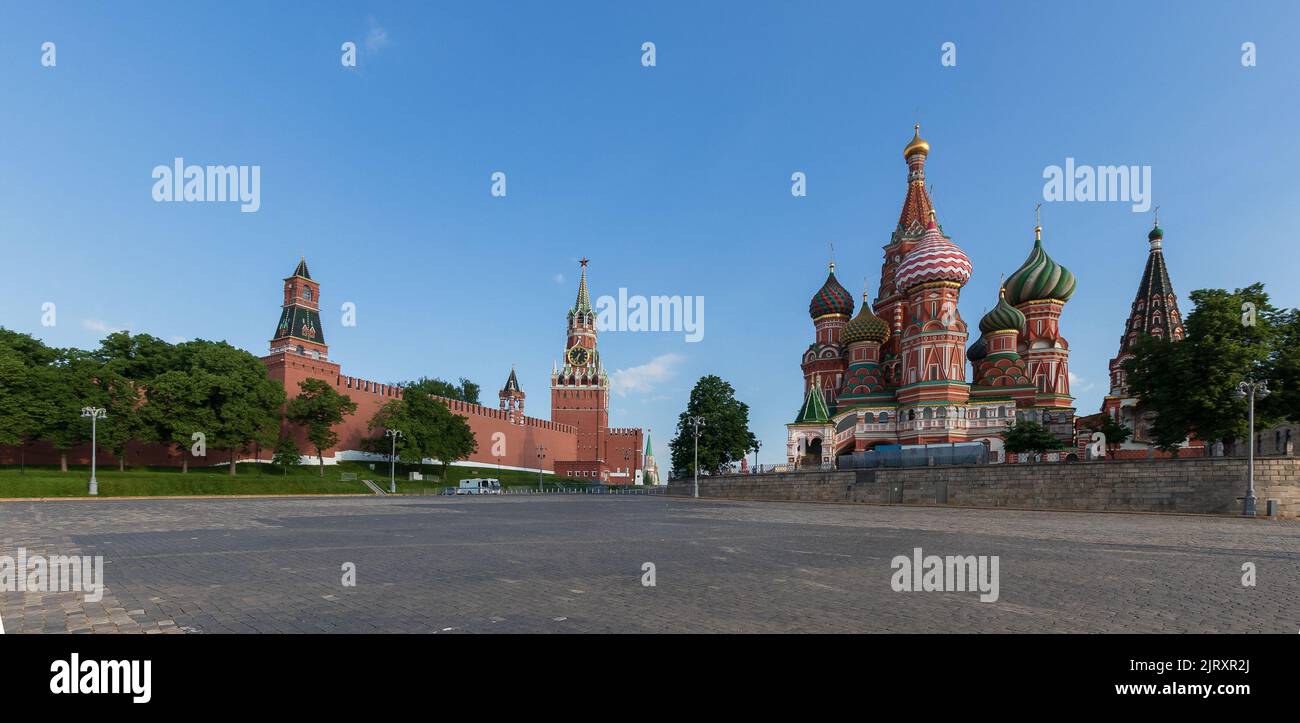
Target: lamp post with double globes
<point x="697" y="422"/>
<point x="95" y="414"/>
<point x="392" y="460"/>
<point x="1251" y="391"/>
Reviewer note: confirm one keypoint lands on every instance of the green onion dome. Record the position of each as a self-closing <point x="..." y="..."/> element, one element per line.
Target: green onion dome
<point x="1003" y="316"/>
<point x="831" y="298"/>
<point x="977" y="351"/>
<point x="1156" y="233"/>
<point x="866" y="326"/>
<point x="1039" y="278"/>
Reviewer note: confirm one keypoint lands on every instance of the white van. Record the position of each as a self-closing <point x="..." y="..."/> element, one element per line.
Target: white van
<point x="479" y="487"/>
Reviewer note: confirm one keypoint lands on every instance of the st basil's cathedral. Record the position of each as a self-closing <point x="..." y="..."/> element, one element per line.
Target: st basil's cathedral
<point x="895" y="373"/>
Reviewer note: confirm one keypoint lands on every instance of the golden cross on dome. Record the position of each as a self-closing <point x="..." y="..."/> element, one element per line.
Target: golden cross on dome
<point x="1157" y="211"/>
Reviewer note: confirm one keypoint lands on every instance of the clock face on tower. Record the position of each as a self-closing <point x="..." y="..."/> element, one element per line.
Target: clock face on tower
<point x="578" y="356"/>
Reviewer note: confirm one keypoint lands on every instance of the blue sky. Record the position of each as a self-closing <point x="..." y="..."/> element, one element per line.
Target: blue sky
<point x="672" y="179"/>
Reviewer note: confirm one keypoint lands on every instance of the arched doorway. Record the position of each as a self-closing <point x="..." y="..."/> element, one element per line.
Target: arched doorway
<point x="812" y="453"/>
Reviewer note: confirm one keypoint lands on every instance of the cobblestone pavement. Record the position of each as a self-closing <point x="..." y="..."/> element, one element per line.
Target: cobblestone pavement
<point x="574" y="564"/>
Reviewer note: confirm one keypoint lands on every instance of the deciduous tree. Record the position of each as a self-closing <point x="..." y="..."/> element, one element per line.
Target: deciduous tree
<point x="317" y="408"/>
<point x="725" y="435"/>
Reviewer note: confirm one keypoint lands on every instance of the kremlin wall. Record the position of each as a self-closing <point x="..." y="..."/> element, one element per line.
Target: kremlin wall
<point x="578" y="443"/>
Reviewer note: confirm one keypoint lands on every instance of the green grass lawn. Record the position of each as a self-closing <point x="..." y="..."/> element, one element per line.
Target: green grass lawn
<point x="253" y="479"/>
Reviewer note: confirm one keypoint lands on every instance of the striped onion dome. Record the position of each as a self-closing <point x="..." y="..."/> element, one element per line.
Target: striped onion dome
<point x="934" y="258"/>
<point x="831" y="298"/>
<point x="866" y="326"/>
<point x="978" y="350"/>
<point x="1039" y="277"/>
<point x="1004" y="316"/>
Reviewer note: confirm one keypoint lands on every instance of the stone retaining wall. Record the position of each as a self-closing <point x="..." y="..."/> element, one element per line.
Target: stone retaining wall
<point x="1201" y="485"/>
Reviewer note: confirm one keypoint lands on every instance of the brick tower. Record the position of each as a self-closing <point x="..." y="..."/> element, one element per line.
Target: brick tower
<point x="580" y="389"/>
<point x="298" y="351"/>
<point x="300" y="329"/>
<point x="512" y="399"/>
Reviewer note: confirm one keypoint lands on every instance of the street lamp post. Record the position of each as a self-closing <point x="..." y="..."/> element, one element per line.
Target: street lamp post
<point x="1251" y="390"/>
<point x="95" y="414"/>
<point x="541" y="455"/>
<point x="697" y="422"/>
<point x="392" y="460"/>
<point x="757" y="444"/>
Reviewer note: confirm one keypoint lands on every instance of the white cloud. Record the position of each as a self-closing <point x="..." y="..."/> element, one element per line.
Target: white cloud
<point x="377" y="38"/>
<point x="643" y="379"/>
<point x="1078" y="383"/>
<point x="99" y="327"/>
<point x="558" y="278"/>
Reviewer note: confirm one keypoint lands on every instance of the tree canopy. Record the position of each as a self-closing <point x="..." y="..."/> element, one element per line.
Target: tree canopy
<point x="1192" y="384"/>
<point x="463" y="390"/>
<point x="1029" y="437"/>
<point x="429" y="430"/>
<point x="724" y="437"/>
<point x="317" y="408"/>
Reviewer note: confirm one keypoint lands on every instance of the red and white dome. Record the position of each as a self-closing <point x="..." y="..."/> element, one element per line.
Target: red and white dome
<point x="934" y="258"/>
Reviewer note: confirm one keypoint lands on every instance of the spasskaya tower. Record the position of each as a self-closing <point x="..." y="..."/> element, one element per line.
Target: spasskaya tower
<point x="580" y="388"/>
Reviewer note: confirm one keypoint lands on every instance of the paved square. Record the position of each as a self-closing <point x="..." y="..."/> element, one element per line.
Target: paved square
<point x="574" y="564"/>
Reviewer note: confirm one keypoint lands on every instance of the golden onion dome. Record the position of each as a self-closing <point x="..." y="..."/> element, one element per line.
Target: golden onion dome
<point x="918" y="145"/>
<point x="866" y="326"/>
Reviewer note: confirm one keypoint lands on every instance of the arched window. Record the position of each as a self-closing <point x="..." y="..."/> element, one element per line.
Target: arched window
<point x="306" y="293"/>
<point x="928" y="413"/>
<point x="911" y="414"/>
